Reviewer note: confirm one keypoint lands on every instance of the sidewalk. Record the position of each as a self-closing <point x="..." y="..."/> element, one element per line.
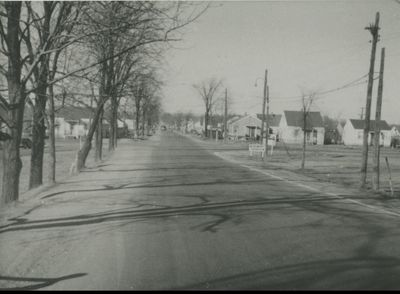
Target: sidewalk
<point x="36" y="198"/>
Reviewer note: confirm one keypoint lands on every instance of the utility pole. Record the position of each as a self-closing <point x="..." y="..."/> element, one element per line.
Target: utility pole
<point x="376" y="161"/>
<point x="362" y="112"/>
<point x="267" y="121"/>
<point x="374" y="29"/>
<point x="263" y="109"/>
<point x="226" y="115"/>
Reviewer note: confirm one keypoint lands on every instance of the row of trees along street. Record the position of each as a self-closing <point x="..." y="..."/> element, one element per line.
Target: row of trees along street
<point x="104" y="55"/>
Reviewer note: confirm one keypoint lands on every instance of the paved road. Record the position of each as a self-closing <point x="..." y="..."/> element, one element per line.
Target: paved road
<point x="168" y="214"/>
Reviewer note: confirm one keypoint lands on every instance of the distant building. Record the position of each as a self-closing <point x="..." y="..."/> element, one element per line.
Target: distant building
<point x="395" y="130"/>
<point x="292" y="123"/>
<point x="273" y="123"/>
<point x="248" y="126"/>
<point x="353" y="132"/>
<point x="395" y="136"/>
<point x="72" y="121"/>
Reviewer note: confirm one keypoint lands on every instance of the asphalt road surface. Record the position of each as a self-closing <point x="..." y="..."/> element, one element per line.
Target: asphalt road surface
<point x="166" y="213"/>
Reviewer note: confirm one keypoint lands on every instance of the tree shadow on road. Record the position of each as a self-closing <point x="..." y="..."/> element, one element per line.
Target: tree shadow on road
<point x="354" y="273"/>
<point x="221" y="211"/>
<point x="36" y="283"/>
<point x="153" y="185"/>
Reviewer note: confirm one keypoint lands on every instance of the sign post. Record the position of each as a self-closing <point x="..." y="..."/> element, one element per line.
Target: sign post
<point x="258" y="148"/>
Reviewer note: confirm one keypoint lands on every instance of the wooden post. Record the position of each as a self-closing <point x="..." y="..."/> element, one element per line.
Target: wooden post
<point x="263" y="109"/>
<point x="226" y="116"/>
<point x="376" y="161"/>
<point x="390" y="177"/>
<point x="364" y="160"/>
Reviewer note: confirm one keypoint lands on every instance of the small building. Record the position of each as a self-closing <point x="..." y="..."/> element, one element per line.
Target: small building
<point x="292" y="124"/>
<point x="122" y="129"/>
<point x="273" y="124"/>
<point x="248" y="126"/>
<point x="395" y="130"/>
<point x="72" y="121"/>
<point x="353" y="132"/>
<point x="395" y="136"/>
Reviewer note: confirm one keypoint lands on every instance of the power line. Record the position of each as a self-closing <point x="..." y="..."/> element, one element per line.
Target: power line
<point x="347" y="85"/>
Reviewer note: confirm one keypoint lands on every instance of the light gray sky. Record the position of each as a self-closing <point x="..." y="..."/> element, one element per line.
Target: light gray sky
<point x="305" y="45"/>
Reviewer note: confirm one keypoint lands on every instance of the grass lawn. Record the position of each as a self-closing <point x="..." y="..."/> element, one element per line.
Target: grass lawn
<point x="338" y="163"/>
<point x="65" y="154"/>
<point x="327" y="163"/>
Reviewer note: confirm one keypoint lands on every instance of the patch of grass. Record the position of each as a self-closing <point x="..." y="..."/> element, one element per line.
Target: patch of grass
<point x="339" y="164"/>
<point x="65" y="154"/>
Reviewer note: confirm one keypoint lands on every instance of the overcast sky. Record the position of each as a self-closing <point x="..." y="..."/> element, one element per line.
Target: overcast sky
<point x="305" y="45"/>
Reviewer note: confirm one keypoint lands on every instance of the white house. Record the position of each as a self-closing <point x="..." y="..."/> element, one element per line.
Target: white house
<point x="250" y="125"/>
<point x="246" y="126"/>
<point x="353" y="132"/>
<point x="395" y="136"/>
<point x="292" y="123"/>
<point x="395" y="130"/>
<point x="130" y="124"/>
<point x="72" y="121"/>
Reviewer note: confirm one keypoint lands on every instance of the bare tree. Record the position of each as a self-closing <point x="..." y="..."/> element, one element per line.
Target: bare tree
<point x="52" y="22"/>
<point x="208" y="90"/>
<point x="26" y="62"/>
<point x="13" y="110"/>
<point x="151" y="24"/>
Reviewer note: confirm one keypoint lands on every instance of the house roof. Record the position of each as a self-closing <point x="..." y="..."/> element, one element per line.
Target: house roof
<point x="295" y="119"/>
<point x="242" y="118"/>
<point x="358" y="124"/>
<point x="234" y="119"/>
<point x="395" y="126"/>
<point x="74" y="112"/>
<point x="274" y="119"/>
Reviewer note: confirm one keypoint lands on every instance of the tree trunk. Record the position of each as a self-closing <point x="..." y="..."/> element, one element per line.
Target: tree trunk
<point x="87" y="145"/>
<point x="116" y="127"/>
<point x="148" y="126"/>
<point x="137" y="121"/>
<point x="206" y="118"/>
<point x="52" y="138"/>
<point x="113" y="124"/>
<point x="39" y="110"/>
<point x="11" y="157"/>
<point x="12" y="163"/>
<point x="303" y="158"/>
<point x="38" y="139"/>
<point x="143" y="121"/>
<point x="99" y="138"/>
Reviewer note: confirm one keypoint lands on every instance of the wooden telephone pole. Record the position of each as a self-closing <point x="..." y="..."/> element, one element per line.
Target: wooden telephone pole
<point x="374" y="29"/>
<point x="226" y="115"/>
<point x="376" y="161"/>
<point x="267" y="121"/>
<point x="263" y="109"/>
